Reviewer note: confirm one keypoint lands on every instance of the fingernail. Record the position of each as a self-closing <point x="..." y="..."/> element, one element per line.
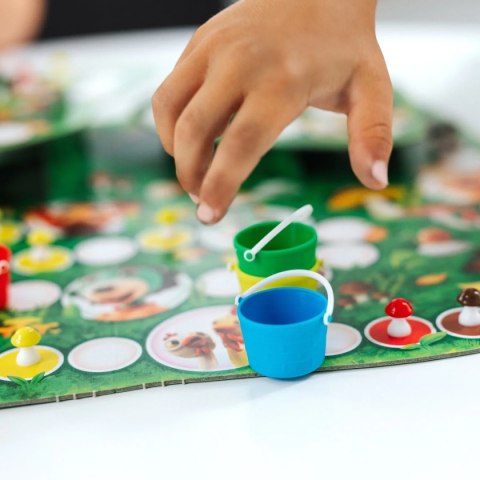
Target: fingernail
<point x="205" y="214"/>
<point x="380" y="172"/>
<point x="194" y="198"/>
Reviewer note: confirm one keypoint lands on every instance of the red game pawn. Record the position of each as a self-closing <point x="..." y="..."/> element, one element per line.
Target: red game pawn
<point x="399" y="310"/>
<point x="399" y="328"/>
<point x="5" y="256"/>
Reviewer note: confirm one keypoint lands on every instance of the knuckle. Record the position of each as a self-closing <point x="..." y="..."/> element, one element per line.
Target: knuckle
<point x="201" y="31"/>
<point x="215" y="39"/>
<point x="186" y="179"/>
<point x="221" y="34"/>
<point x="290" y="74"/>
<point x="244" y="135"/>
<point x="381" y="132"/>
<point x="280" y="85"/>
<point x="163" y="125"/>
<point x="200" y="34"/>
<point x="160" y="98"/>
<point x="167" y="143"/>
<point x="189" y="125"/>
<point x="246" y="49"/>
<point x="249" y="47"/>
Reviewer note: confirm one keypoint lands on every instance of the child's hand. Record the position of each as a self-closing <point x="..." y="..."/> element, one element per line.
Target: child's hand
<point x="20" y="21"/>
<point x="265" y="61"/>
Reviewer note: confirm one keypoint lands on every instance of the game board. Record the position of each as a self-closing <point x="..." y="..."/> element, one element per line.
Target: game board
<point x="42" y="104"/>
<point x="139" y="294"/>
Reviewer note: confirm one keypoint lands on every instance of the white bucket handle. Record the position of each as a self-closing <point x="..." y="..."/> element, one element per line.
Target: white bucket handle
<point x="327" y="318"/>
<point x="300" y="214"/>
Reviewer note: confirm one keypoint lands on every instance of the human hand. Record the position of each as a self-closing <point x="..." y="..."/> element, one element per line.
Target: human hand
<point x="251" y="70"/>
<point x="20" y="21"/>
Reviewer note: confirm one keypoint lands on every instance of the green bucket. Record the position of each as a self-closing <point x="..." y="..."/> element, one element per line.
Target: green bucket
<point x="293" y="248"/>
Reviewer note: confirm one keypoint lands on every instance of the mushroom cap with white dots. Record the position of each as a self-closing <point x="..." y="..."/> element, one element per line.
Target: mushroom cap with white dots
<point x="470" y="297"/>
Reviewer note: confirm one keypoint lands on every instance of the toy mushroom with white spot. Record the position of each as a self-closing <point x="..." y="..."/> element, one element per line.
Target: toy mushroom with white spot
<point x="399" y="310"/>
<point x="470" y="314"/>
<point x="25" y="339"/>
<point x="358" y="291"/>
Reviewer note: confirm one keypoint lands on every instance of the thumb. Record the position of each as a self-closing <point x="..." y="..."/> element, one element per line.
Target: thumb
<point x="370" y="128"/>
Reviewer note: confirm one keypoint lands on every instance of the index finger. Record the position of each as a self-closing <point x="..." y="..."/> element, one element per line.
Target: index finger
<point x="259" y="121"/>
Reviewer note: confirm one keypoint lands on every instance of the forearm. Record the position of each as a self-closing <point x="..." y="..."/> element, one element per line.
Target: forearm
<point x="20" y="20"/>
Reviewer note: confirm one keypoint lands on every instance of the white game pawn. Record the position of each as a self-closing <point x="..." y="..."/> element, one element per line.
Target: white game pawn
<point x="399" y="310"/>
<point x="470" y="314"/>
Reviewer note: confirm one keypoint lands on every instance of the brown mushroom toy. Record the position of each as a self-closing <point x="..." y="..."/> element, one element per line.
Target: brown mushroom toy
<point x="399" y="310"/>
<point x="470" y="314"/>
<point x="433" y="235"/>
<point x="359" y="291"/>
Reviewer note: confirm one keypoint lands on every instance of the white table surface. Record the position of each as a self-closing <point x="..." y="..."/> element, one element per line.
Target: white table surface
<point x="415" y="421"/>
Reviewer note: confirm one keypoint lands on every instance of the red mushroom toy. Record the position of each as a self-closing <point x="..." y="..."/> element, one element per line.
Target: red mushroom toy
<point x="399" y="310"/>
<point x="5" y="256"/>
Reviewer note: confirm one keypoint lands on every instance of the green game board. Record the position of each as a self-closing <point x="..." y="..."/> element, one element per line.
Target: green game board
<point x="136" y="307"/>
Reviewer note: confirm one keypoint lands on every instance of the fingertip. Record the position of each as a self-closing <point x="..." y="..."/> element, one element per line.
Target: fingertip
<point x="194" y="198"/>
<point x="207" y="214"/>
<point x="369" y="156"/>
<point x="370" y="139"/>
<point x="379" y="172"/>
<point x="215" y="198"/>
<point x="372" y="174"/>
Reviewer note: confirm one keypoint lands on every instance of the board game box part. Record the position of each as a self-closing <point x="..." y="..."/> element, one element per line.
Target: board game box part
<point x="116" y="286"/>
<point x="128" y="290"/>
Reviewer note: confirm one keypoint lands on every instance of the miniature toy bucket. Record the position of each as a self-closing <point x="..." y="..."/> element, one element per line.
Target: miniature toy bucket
<point x="247" y="281"/>
<point x="285" y="329"/>
<point x="292" y="248"/>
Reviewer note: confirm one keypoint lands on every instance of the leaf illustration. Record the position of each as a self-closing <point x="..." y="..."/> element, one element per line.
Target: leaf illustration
<point x="398" y="257"/>
<point x="427" y="340"/>
<point x="71" y="311"/>
<point x="17" y="380"/>
<point x="37" y="378"/>
<point x="412" y="346"/>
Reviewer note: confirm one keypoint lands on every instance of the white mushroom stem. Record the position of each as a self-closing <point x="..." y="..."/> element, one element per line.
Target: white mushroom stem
<point x="361" y="297"/>
<point x="399" y="327"/>
<point x="27" y="356"/>
<point x="168" y="231"/>
<point x="39" y="253"/>
<point x="469" y="317"/>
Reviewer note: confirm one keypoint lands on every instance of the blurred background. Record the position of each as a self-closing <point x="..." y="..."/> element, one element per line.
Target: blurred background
<point x="90" y="68"/>
<point x="460" y="11"/>
<point x="97" y="16"/>
<point x="75" y="18"/>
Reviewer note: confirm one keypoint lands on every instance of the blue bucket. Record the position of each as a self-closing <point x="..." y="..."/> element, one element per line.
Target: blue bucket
<point x="285" y="329"/>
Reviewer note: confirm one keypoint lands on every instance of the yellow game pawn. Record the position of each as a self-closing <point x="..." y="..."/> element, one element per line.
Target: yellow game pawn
<point x="10" y="232"/>
<point x="39" y="240"/>
<point x="167" y="216"/>
<point x="25" y="339"/>
<point x="169" y="235"/>
<point x="41" y="256"/>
